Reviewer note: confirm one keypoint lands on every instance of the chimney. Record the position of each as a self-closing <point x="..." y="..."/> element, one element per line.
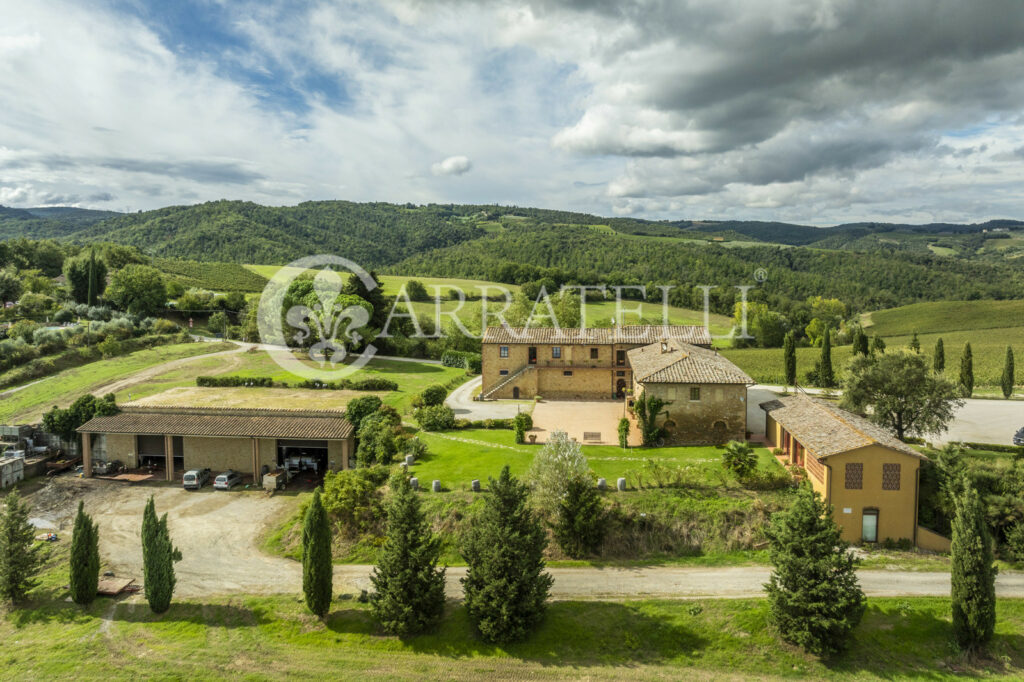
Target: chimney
<point x="664" y="346"/>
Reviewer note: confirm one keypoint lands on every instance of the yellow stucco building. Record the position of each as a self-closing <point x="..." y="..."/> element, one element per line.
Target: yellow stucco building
<point x="869" y="476"/>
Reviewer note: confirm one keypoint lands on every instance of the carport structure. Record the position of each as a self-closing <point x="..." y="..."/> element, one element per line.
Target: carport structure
<point x="243" y="439"/>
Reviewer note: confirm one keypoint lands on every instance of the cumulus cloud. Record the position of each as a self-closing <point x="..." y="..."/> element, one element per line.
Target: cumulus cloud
<point x="813" y="112"/>
<point x="453" y="165"/>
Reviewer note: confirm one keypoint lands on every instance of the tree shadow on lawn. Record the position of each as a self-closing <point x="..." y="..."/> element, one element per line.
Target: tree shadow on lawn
<point x="210" y="615"/>
<point x="894" y="643"/>
<point x="577" y="633"/>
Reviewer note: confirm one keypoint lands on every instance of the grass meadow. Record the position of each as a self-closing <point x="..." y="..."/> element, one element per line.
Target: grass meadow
<point x="273" y="636"/>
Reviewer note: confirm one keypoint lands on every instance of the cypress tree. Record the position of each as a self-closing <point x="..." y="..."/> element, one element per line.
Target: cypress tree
<point x="158" y="557"/>
<point x="505" y="586"/>
<point x="789" y="357"/>
<point x="939" y="359"/>
<point x="580" y="525"/>
<point x="967" y="371"/>
<point x="814" y="598"/>
<point x="972" y="573"/>
<point x="1009" y="374"/>
<point x="877" y="344"/>
<point x="860" y="342"/>
<point x="91" y="296"/>
<point x="85" y="558"/>
<point x="409" y="586"/>
<point x="915" y="344"/>
<point x="20" y="556"/>
<point x="317" y="567"/>
<point x="826" y="375"/>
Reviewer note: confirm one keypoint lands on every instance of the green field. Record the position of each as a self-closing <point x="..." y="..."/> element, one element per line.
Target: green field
<point x="946" y="316"/>
<point x="29" y="404"/>
<point x="220" y="277"/>
<point x="989" y="326"/>
<point x="270" y="637"/>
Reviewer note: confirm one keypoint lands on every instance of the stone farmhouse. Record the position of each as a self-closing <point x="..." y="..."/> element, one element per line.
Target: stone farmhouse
<point x="705" y="394"/>
<point x="869" y="476"/>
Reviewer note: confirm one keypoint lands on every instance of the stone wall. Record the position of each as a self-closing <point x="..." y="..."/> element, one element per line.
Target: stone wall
<point x="720" y="415"/>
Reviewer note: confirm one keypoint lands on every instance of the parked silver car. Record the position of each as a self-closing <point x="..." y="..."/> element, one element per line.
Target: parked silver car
<point x="227" y="480"/>
<point x="1018" y="438"/>
<point x="195" y="479"/>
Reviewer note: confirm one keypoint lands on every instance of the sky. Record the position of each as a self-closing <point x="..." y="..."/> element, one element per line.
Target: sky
<point x="810" y="112"/>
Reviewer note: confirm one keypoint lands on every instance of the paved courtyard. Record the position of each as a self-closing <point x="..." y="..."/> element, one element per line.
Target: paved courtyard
<point x="591" y="422"/>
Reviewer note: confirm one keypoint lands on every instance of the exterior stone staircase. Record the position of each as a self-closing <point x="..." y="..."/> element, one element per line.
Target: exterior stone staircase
<point x="506" y="381"/>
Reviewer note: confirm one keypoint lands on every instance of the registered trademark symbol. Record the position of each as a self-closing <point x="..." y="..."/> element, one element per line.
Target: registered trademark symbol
<point x="760" y="274"/>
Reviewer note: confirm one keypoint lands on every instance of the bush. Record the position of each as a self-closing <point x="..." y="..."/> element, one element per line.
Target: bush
<point x="740" y="459"/>
<point x="469" y="361"/>
<point x="623" y="433"/>
<point x="1015" y="543"/>
<point x="433" y="395"/>
<point x="352" y="499"/>
<point x="435" y="418"/>
<point x="522" y="423"/>
<point x="358" y="408"/>
<point x="234" y="381"/>
<point x="376" y="440"/>
<point x="559" y="462"/>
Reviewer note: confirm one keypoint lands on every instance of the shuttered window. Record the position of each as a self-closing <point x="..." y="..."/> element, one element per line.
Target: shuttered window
<point x="890" y="477"/>
<point x="854" y="476"/>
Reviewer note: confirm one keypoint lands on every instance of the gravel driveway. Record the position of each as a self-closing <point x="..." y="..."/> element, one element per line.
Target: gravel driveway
<point x="218" y="534"/>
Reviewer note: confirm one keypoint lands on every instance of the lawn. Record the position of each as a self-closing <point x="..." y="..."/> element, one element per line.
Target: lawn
<point x="945" y="316"/>
<point x="272" y="637"/>
<point x="28" y="404"/>
<point x="458" y="457"/>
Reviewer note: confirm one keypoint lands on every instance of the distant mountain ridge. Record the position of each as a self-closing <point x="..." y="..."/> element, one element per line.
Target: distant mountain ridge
<point x="380" y="234"/>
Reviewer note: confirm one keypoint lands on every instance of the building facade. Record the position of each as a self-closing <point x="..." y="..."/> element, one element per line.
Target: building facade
<point x="250" y="441"/>
<point x="870" y="477"/>
<point x="573" y="364"/>
<point x="704" y="394"/>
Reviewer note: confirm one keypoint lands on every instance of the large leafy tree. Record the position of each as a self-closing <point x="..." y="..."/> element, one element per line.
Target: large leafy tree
<point x="317" y="567"/>
<point x="972" y="573"/>
<point x="814" y="598"/>
<point x="139" y="289"/>
<point x="85" y="558"/>
<point x="158" y="558"/>
<point x="559" y="462"/>
<point x="86" y="277"/>
<point x="10" y="286"/>
<point x="505" y="586"/>
<point x="408" y="584"/>
<point x="902" y="393"/>
<point x="65" y="421"/>
<point x="20" y="556"/>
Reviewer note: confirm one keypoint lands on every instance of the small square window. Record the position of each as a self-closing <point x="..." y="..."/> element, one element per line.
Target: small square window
<point x="890" y="477"/>
<point x="593" y="354"/>
<point x="567" y="373"/>
<point x="556" y="351"/>
<point x="854" y="475"/>
<point x="620" y="373"/>
<point x="503" y="351"/>
<point x="503" y="372"/>
<point x="695" y="393"/>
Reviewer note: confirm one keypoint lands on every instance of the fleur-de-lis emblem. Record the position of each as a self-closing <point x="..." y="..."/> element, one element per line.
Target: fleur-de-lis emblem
<point x="327" y="317"/>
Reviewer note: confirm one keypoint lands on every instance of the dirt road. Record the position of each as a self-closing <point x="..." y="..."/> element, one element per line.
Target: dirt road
<point x="218" y="534"/>
<point x="230" y="357"/>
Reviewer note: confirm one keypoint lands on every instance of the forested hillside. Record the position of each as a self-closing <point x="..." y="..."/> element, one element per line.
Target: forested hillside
<point x="244" y="232"/>
<point x="865" y="281"/>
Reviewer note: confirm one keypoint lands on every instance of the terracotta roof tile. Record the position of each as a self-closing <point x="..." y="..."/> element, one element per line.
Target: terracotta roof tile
<point x="248" y="423"/>
<point x="683" y="363"/>
<point x="827" y="430"/>
<point x="628" y="334"/>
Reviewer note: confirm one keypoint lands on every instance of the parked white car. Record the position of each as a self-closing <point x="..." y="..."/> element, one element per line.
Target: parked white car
<point x="227" y="480"/>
